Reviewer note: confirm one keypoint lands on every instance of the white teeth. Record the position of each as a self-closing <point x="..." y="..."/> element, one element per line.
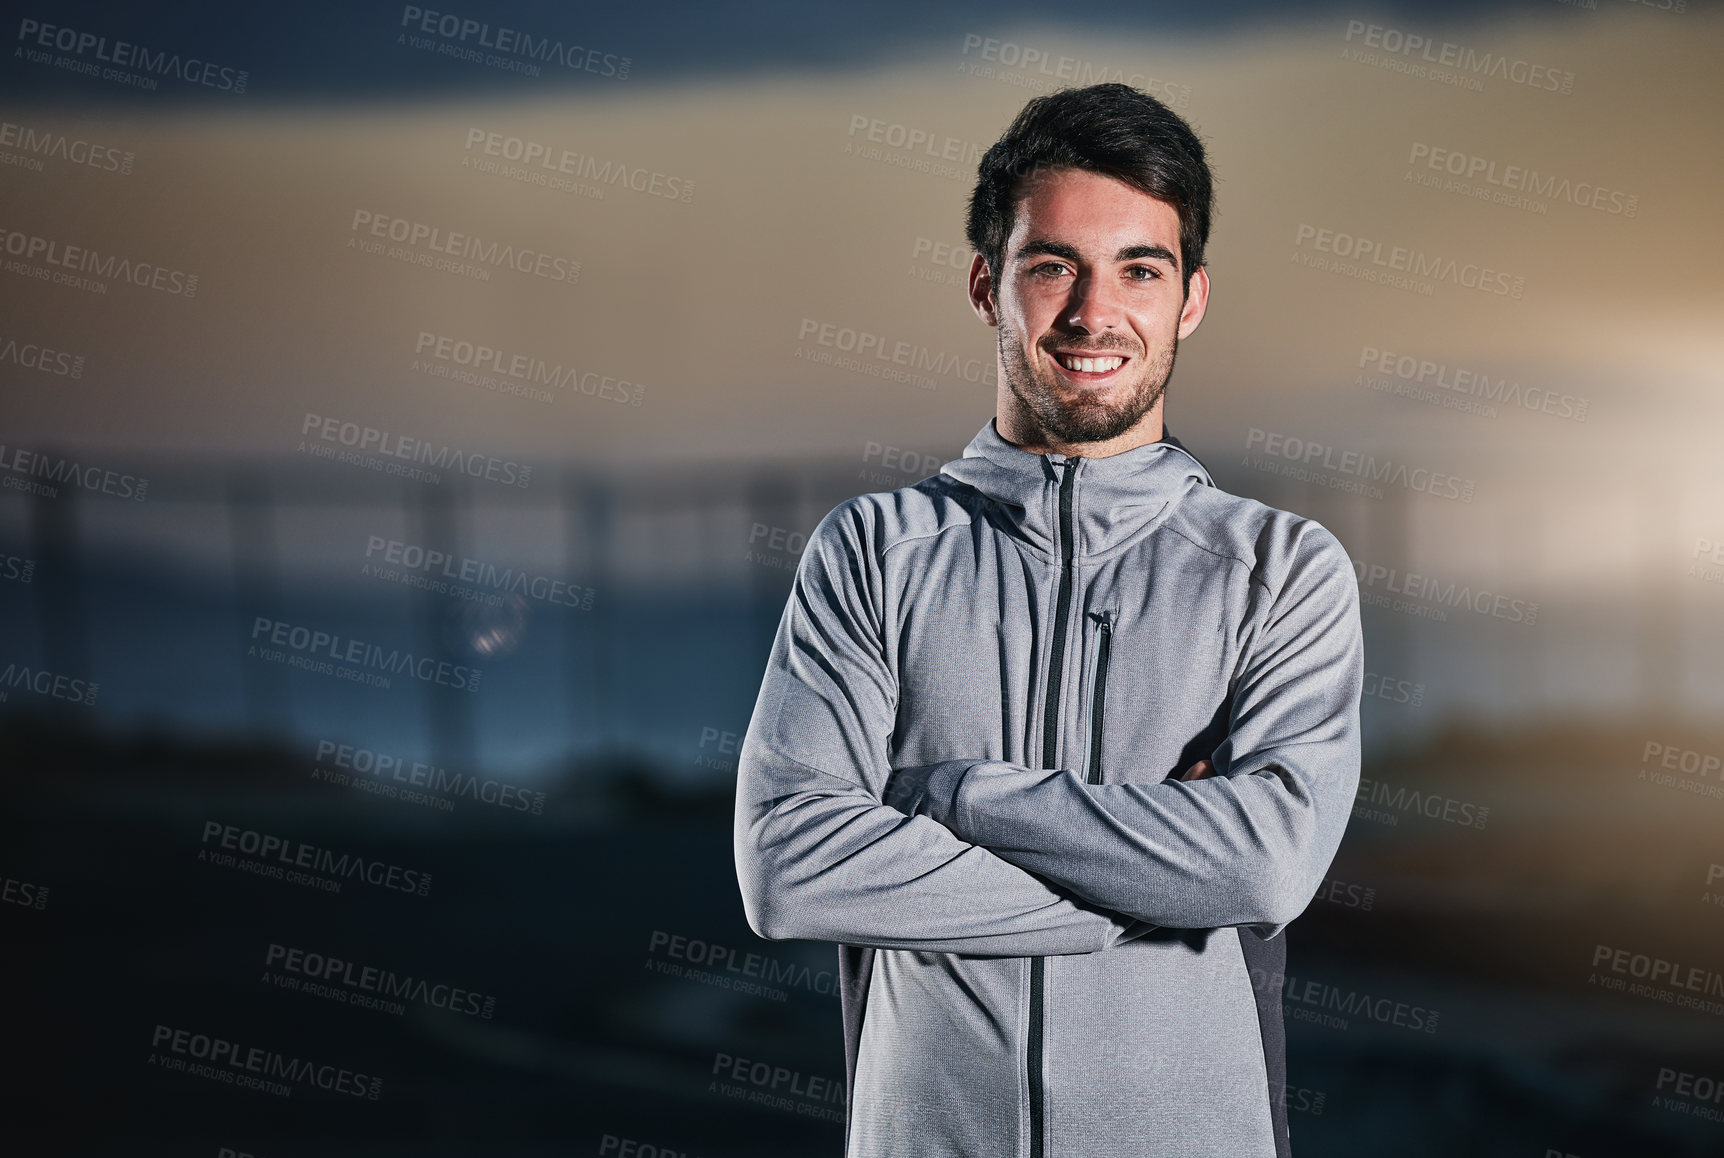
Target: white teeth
<point x="1091" y="365"/>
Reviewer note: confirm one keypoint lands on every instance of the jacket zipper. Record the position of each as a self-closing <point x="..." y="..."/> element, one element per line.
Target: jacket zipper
<point x="1098" y="693"/>
<point x="1050" y="753"/>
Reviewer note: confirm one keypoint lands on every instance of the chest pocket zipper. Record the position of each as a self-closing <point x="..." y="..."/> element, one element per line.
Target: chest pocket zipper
<point x="1098" y="691"/>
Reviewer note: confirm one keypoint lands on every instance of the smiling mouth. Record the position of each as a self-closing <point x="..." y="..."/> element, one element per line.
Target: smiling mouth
<point x="1090" y="367"/>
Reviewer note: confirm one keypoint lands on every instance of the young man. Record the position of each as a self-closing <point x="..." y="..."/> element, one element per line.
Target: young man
<point x="1055" y="742"/>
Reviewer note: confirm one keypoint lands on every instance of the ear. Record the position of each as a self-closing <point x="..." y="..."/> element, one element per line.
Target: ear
<point x="1196" y="302"/>
<point x="982" y="292"/>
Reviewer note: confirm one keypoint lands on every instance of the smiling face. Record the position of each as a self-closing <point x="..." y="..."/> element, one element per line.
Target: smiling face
<point x="1090" y="311"/>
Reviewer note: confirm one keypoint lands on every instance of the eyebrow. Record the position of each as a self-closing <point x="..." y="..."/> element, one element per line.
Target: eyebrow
<point x="1042" y="245"/>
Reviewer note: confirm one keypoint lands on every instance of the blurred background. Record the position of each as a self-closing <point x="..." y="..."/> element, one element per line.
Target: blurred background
<point x="413" y="418"/>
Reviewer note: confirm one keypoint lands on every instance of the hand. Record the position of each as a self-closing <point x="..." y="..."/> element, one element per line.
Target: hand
<point x="907" y="790"/>
<point x="1198" y="771"/>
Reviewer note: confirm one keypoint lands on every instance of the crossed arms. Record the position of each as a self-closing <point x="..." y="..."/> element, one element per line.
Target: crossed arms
<point x="987" y="857"/>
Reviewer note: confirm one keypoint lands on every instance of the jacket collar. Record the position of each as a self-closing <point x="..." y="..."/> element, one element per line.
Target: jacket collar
<point x="1114" y="499"/>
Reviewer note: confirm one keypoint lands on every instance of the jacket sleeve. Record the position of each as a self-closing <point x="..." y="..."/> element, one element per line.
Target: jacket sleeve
<point x="818" y="856"/>
<point x="1246" y="846"/>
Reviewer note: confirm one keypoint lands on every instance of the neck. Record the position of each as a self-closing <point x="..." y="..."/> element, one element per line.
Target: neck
<point x="1019" y="428"/>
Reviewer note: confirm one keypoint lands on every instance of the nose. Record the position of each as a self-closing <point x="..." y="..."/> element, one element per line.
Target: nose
<point x="1095" y="305"/>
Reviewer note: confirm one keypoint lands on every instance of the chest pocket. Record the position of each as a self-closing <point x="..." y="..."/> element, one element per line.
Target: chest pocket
<point x="1153" y="704"/>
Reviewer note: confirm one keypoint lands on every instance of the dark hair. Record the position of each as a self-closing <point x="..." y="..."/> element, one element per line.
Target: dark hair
<point x="1112" y="129"/>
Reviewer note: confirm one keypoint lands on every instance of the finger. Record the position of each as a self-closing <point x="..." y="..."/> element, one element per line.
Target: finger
<point x="1199" y="770"/>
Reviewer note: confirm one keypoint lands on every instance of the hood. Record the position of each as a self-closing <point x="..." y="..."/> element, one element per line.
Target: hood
<point x="1114" y="499"/>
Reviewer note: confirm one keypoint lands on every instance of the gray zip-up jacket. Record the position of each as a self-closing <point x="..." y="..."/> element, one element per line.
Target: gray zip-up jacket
<point x="964" y="767"/>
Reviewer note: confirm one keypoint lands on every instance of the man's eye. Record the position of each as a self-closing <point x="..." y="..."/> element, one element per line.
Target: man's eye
<point x="1049" y="267"/>
<point x="1150" y="272"/>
